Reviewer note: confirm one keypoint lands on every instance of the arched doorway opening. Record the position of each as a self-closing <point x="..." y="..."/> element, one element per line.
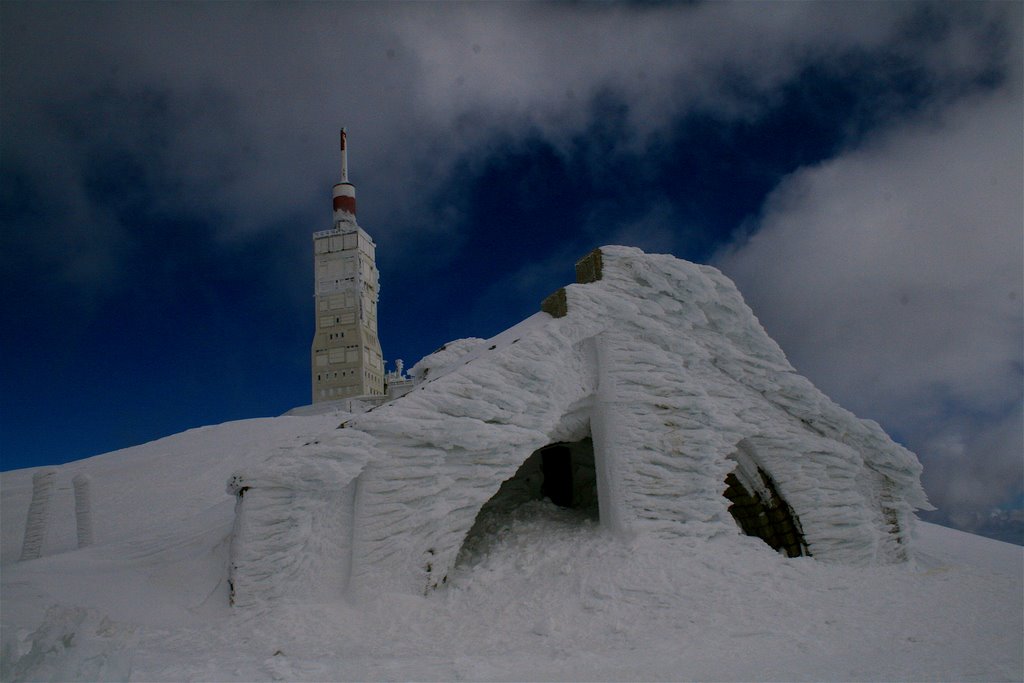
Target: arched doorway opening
<point x="558" y="480"/>
<point x="759" y="509"/>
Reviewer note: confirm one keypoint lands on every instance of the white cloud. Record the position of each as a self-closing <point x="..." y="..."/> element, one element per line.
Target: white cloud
<point x="541" y="64"/>
<point x="422" y="86"/>
<point x="891" y="275"/>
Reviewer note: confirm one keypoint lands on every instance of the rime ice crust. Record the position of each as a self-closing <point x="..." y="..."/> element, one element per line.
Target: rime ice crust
<point x="659" y="361"/>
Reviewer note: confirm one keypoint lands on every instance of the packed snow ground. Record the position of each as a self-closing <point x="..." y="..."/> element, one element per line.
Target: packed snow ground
<point x="548" y="596"/>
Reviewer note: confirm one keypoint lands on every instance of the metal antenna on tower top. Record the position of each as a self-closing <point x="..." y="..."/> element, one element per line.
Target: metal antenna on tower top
<point x="344" y="192"/>
<point x="344" y="158"/>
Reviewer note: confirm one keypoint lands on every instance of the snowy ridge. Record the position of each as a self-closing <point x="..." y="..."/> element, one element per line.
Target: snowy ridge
<point x="659" y="361"/>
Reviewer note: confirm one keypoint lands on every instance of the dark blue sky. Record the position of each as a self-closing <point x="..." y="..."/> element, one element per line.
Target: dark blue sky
<point x="162" y="168"/>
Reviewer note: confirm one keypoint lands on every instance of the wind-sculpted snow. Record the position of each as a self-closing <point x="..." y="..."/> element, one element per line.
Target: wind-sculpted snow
<point x="333" y="538"/>
<point x="659" y="362"/>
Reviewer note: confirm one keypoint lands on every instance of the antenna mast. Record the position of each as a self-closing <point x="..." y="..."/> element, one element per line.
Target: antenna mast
<point x="344" y="158"/>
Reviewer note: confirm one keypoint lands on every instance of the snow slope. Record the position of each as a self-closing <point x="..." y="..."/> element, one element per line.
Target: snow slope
<point x="548" y="596"/>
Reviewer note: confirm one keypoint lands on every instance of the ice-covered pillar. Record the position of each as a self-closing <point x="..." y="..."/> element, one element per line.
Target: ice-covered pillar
<point x="605" y="431"/>
<point x="83" y="509"/>
<point x="38" y="519"/>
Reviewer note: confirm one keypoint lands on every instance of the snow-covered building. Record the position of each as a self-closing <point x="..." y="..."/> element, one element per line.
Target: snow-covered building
<point x="346" y="358"/>
<point x="646" y="396"/>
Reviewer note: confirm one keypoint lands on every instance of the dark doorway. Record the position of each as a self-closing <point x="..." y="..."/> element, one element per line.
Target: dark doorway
<point x="760" y="511"/>
<point x="563" y="473"/>
<point x="556" y="467"/>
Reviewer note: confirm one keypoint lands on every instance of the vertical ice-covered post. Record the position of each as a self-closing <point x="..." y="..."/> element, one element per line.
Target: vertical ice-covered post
<point x="83" y="509"/>
<point x="38" y="514"/>
<point x="604" y="430"/>
<point x="605" y="421"/>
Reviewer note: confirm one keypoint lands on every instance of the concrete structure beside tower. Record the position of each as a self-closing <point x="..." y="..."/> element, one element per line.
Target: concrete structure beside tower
<point x="346" y="356"/>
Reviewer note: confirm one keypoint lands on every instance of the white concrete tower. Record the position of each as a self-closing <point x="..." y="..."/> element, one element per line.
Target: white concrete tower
<point x="346" y="356"/>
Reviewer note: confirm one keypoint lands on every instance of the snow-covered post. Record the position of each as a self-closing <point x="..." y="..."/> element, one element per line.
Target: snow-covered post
<point x="605" y="431"/>
<point x="83" y="509"/>
<point x="38" y="514"/>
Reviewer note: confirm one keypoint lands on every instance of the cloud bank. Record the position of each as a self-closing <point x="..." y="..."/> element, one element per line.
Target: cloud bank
<point x="227" y="108"/>
<point x="892" y="277"/>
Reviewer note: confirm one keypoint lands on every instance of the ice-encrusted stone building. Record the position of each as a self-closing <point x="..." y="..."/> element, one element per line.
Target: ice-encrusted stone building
<point x="647" y="393"/>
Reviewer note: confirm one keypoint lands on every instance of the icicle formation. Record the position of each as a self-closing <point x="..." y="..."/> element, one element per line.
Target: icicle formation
<point x="83" y="509"/>
<point x="38" y="514"/>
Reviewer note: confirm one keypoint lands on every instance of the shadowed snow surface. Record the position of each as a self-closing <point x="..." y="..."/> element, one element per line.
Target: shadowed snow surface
<point x="545" y="596"/>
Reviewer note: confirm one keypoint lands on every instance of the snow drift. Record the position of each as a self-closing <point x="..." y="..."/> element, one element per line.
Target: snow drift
<point x="648" y="389"/>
